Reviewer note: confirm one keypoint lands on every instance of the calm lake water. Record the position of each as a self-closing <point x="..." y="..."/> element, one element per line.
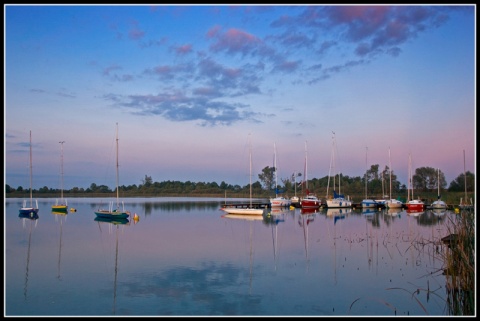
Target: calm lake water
<point x="183" y="258"/>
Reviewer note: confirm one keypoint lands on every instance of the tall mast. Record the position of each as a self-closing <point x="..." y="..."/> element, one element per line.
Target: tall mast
<point x="306" y="170"/>
<point x="366" y="169"/>
<point x="31" y="195"/>
<point x="465" y="177"/>
<point x="390" y="170"/>
<point x="117" y="163"/>
<point x="275" y="167"/>
<point x="61" y="172"/>
<point x="410" y="172"/>
<point x="250" y="176"/>
<point x="438" y="183"/>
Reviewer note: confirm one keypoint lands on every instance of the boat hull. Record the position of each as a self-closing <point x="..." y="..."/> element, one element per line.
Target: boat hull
<point x="338" y="203"/>
<point x="415" y="205"/>
<point x="32" y="215"/>
<point x="60" y="208"/>
<point x="310" y="201"/>
<point x="112" y="215"/>
<point x="28" y="211"/>
<point x="393" y="203"/>
<point x="280" y="202"/>
<point x="369" y="203"/>
<point x="243" y="211"/>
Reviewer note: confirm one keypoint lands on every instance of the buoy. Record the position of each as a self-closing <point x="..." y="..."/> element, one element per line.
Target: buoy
<point x="136" y="217"/>
<point x="72" y="209"/>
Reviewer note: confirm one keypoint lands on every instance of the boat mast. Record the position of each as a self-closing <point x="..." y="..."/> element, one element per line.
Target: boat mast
<point x="250" y="176"/>
<point x="465" y="177"/>
<point x="306" y="170"/>
<point x="275" y="167"/>
<point x="390" y="171"/>
<point x="117" y="163"/>
<point x="438" y="183"/>
<point x="410" y="173"/>
<point x="330" y="172"/>
<point x="366" y="169"/>
<point x="31" y="195"/>
<point x="333" y="161"/>
<point x="61" y="172"/>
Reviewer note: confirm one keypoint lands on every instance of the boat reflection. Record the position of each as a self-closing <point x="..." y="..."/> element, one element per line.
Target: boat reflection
<point x="113" y="223"/>
<point x="309" y="210"/>
<point x="338" y="213"/>
<point x="393" y="211"/>
<point x="307" y="216"/>
<point x="438" y="211"/>
<point x="251" y="218"/>
<point x="32" y="220"/>
<point x="368" y="211"/>
<point x="246" y="217"/>
<point x="412" y="212"/>
<point x="60" y="216"/>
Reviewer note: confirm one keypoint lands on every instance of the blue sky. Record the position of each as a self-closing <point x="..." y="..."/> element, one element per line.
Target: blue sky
<point x="190" y="86"/>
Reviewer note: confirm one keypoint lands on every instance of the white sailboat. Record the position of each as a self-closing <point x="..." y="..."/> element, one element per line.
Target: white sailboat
<point x="114" y="212"/>
<point x="278" y="201"/>
<point x="295" y="200"/>
<point x="310" y="200"/>
<point x="367" y="202"/>
<point x="30" y="211"/>
<point x="392" y="203"/>
<point x="438" y="204"/>
<point x="338" y="200"/>
<point x="61" y="206"/>
<point x="245" y="210"/>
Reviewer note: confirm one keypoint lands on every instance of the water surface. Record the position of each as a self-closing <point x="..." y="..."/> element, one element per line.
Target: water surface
<point x="184" y="258"/>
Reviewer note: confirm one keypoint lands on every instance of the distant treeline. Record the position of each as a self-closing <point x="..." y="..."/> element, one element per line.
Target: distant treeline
<point x="425" y="185"/>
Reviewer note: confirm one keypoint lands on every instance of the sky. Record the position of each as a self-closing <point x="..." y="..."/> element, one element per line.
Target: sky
<point x="197" y="89"/>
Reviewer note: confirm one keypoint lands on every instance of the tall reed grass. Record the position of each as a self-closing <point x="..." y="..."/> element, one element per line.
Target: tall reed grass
<point x="459" y="264"/>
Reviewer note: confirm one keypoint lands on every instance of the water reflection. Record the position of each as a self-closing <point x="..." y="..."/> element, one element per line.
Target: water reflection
<point x="60" y="217"/>
<point x="29" y="223"/>
<point x="116" y="224"/>
<point x="198" y="262"/>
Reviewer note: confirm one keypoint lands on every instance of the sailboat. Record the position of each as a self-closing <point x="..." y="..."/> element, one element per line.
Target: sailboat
<point x="414" y="206"/>
<point x="278" y="201"/>
<point x="295" y="200"/>
<point x="338" y="200"/>
<point x="392" y="203"/>
<point x="30" y="210"/>
<point x="248" y="210"/>
<point x="310" y="200"/>
<point x="367" y="203"/>
<point x="439" y="204"/>
<point x="111" y="212"/>
<point x="61" y="206"/>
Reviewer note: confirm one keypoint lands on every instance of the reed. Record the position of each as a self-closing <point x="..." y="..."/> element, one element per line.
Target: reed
<point x="459" y="264"/>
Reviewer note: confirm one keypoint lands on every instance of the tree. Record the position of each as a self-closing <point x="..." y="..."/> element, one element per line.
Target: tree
<point x="147" y="181"/>
<point x="458" y="184"/>
<point x="267" y="177"/>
